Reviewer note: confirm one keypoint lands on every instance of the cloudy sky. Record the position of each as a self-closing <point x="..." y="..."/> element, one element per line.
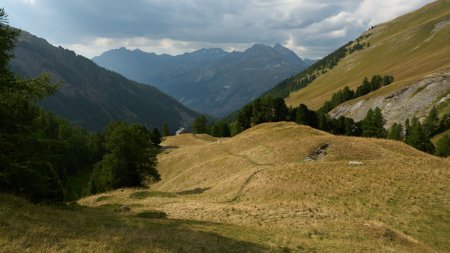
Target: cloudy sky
<point x="312" y="28"/>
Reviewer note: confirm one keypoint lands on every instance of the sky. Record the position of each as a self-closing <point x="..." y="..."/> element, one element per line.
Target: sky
<point x="311" y="28"/>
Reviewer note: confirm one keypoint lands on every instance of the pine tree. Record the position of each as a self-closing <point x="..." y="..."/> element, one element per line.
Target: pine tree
<point x="367" y="124"/>
<point x="200" y="125"/>
<point x="396" y="132"/>
<point x="418" y="138"/>
<point x="156" y="136"/>
<point x="364" y="89"/>
<point x="305" y="116"/>
<point x="220" y="129"/>
<point x="431" y="123"/>
<point x="407" y="129"/>
<point x="347" y="94"/>
<point x="243" y="121"/>
<point x="373" y="124"/>
<point x="165" y="130"/>
<point x="379" y="122"/>
<point x="376" y="82"/>
<point x="279" y="110"/>
<point x="323" y="123"/>
<point x="27" y="166"/>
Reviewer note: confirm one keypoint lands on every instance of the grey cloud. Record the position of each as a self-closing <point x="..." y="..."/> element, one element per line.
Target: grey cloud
<point x="310" y="24"/>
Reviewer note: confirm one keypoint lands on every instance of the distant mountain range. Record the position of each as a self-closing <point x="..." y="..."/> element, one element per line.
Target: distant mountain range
<point x="211" y="81"/>
<point x="92" y="96"/>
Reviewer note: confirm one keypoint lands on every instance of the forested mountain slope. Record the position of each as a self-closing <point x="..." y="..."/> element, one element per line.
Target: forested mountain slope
<point x="92" y="96"/>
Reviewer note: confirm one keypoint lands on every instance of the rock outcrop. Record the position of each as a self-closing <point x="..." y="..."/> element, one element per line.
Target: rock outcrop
<point x="414" y="100"/>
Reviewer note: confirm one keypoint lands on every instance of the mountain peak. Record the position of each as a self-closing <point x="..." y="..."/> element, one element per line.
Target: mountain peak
<point x="278" y="45"/>
<point x="218" y="51"/>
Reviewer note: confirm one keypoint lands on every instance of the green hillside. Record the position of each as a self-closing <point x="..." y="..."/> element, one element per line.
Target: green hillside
<point x="409" y="48"/>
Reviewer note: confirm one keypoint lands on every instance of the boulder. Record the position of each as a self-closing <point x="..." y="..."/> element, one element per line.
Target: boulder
<point x="355" y="163"/>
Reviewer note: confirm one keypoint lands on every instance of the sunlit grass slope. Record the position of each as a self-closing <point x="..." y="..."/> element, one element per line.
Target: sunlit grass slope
<point x="259" y="185"/>
<point x="409" y="48"/>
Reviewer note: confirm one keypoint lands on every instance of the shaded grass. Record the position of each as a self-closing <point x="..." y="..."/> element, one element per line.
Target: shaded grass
<point x="103" y="198"/>
<point x="150" y="194"/>
<point x="25" y="227"/>
<point x="195" y="191"/>
<point x="152" y="215"/>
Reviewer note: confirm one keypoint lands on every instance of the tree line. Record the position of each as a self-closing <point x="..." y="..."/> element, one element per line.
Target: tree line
<point x="346" y="94"/>
<point x="269" y="109"/>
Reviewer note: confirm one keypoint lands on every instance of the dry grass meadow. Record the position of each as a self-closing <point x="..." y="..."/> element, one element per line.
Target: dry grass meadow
<point x="258" y="189"/>
<point x="255" y="193"/>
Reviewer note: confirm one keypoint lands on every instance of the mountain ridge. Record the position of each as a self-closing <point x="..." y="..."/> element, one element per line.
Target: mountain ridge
<point x="212" y="80"/>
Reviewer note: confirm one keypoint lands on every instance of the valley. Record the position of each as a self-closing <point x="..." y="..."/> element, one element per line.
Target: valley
<point x="250" y="150"/>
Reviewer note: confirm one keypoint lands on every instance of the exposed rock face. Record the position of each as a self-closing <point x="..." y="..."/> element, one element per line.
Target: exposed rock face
<point x="407" y="102"/>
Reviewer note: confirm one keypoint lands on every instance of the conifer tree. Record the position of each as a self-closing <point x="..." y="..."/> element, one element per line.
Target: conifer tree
<point x="165" y="130"/>
<point x="431" y="123"/>
<point x="200" y="125"/>
<point x="396" y="132"/>
<point x="373" y="124"/>
<point x="156" y="136"/>
<point x="27" y="166"/>
<point x="279" y="110"/>
<point x="407" y="129"/>
<point x="305" y="116"/>
<point x="418" y="138"/>
<point x="347" y="94"/>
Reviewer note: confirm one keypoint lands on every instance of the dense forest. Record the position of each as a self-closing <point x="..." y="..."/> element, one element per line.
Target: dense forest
<point x="46" y="158"/>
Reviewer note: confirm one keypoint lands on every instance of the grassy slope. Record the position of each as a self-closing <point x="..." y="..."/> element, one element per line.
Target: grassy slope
<point x="439" y="136"/>
<point x="408" y="48"/>
<point x="257" y="184"/>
